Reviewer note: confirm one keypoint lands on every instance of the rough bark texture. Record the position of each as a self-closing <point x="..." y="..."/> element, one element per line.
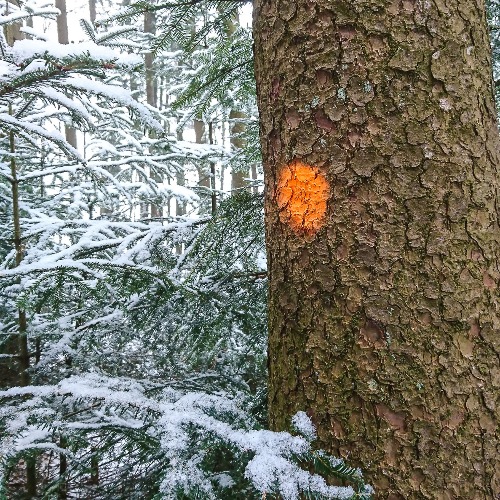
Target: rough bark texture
<point x="385" y="320"/>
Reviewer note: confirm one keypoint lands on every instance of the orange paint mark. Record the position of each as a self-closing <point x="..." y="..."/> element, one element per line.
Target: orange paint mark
<point x="302" y="194"/>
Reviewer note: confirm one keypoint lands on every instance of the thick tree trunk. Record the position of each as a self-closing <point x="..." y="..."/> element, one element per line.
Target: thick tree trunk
<point x="381" y="157"/>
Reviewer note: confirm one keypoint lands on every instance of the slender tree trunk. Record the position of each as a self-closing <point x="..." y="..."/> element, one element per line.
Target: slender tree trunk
<point x="151" y="90"/>
<point x="70" y="133"/>
<point x="203" y="174"/>
<point x="255" y="189"/>
<point x="92" y="11"/>
<point x="20" y="349"/>
<point x="213" y="195"/>
<point x="151" y="85"/>
<point x="22" y="343"/>
<point x="237" y="127"/>
<point x="63" y="467"/>
<point x="180" y="206"/>
<point x="11" y="366"/>
<point x="134" y="87"/>
<point x="23" y="349"/>
<point x="238" y="177"/>
<point x="63" y="37"/>
<point x="381" y="156"/>
<point x="94" y="468"/>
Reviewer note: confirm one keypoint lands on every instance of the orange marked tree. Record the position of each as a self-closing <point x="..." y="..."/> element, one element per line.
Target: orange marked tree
<point x="381" y="158"/>
<point x="301" y="195"/>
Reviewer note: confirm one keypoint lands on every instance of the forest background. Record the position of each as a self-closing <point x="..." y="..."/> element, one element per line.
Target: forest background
<point x="133" y="265"/>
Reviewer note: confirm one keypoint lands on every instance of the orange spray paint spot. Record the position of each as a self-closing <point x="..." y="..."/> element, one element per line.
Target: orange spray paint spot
<point x="302" y="193"/>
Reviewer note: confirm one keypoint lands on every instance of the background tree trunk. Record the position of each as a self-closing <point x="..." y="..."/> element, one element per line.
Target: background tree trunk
<point x="12" y="367"/>
<point x="12" y="31"/>
<point x="151" y="90"/>
<point x="17" y="346"/>
<point x="151" y="86"/>
<point x="204" y="180"/>
<point x="237" y="127"/>
<point x="92" y="11"/>
<point x="63" y="37"/>
<point x="384" y="312"/>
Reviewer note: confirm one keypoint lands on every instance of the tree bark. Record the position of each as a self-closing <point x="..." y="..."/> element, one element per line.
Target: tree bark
<point x="22" y="377"/>
<point x="151" y="86"/>
<point x="236" y="126"/>
<point x="17" y="347"/>
<point x="151" y="91"/>
<point x="238" y="177"/>
<point x="380" y="150"/>
<point x="204" y="180"/>
<point x="92" y="11"/>
<point x="63" y="37"/>
<point x="62" y="493"/>
<point x="213" y="194"/>
<point x="12" y="366"/>
<point x="12" y="31"/>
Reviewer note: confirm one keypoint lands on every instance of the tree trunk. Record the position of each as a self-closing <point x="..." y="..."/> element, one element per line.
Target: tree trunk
<point x="213" y="194"/>
<point x="22" y="377"/>
<point x="151" y="87"/>
<point x="92" y="11"/>
<point x="203" y="174"/>
<point x="94" y="467"/>
<point x="11" y="366"/>
<point x="180" y="179"/>
<point x="255" y="186"/>
<point x="180" y="205"/>
<point x="63" y="37"/>
<point x="236" y="126"/>
<point x="62" y="493"/>
<point x="17" y="347"/>
<point x="380" y="152"/>
<point x="238" y="177"/>
<point x="151" y="91"/>
<point x="12" y="31"/>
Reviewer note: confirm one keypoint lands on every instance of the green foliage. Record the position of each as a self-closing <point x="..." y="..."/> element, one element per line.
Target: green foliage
<point x="218" y="68"/>
<point x="178" y="26"/>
